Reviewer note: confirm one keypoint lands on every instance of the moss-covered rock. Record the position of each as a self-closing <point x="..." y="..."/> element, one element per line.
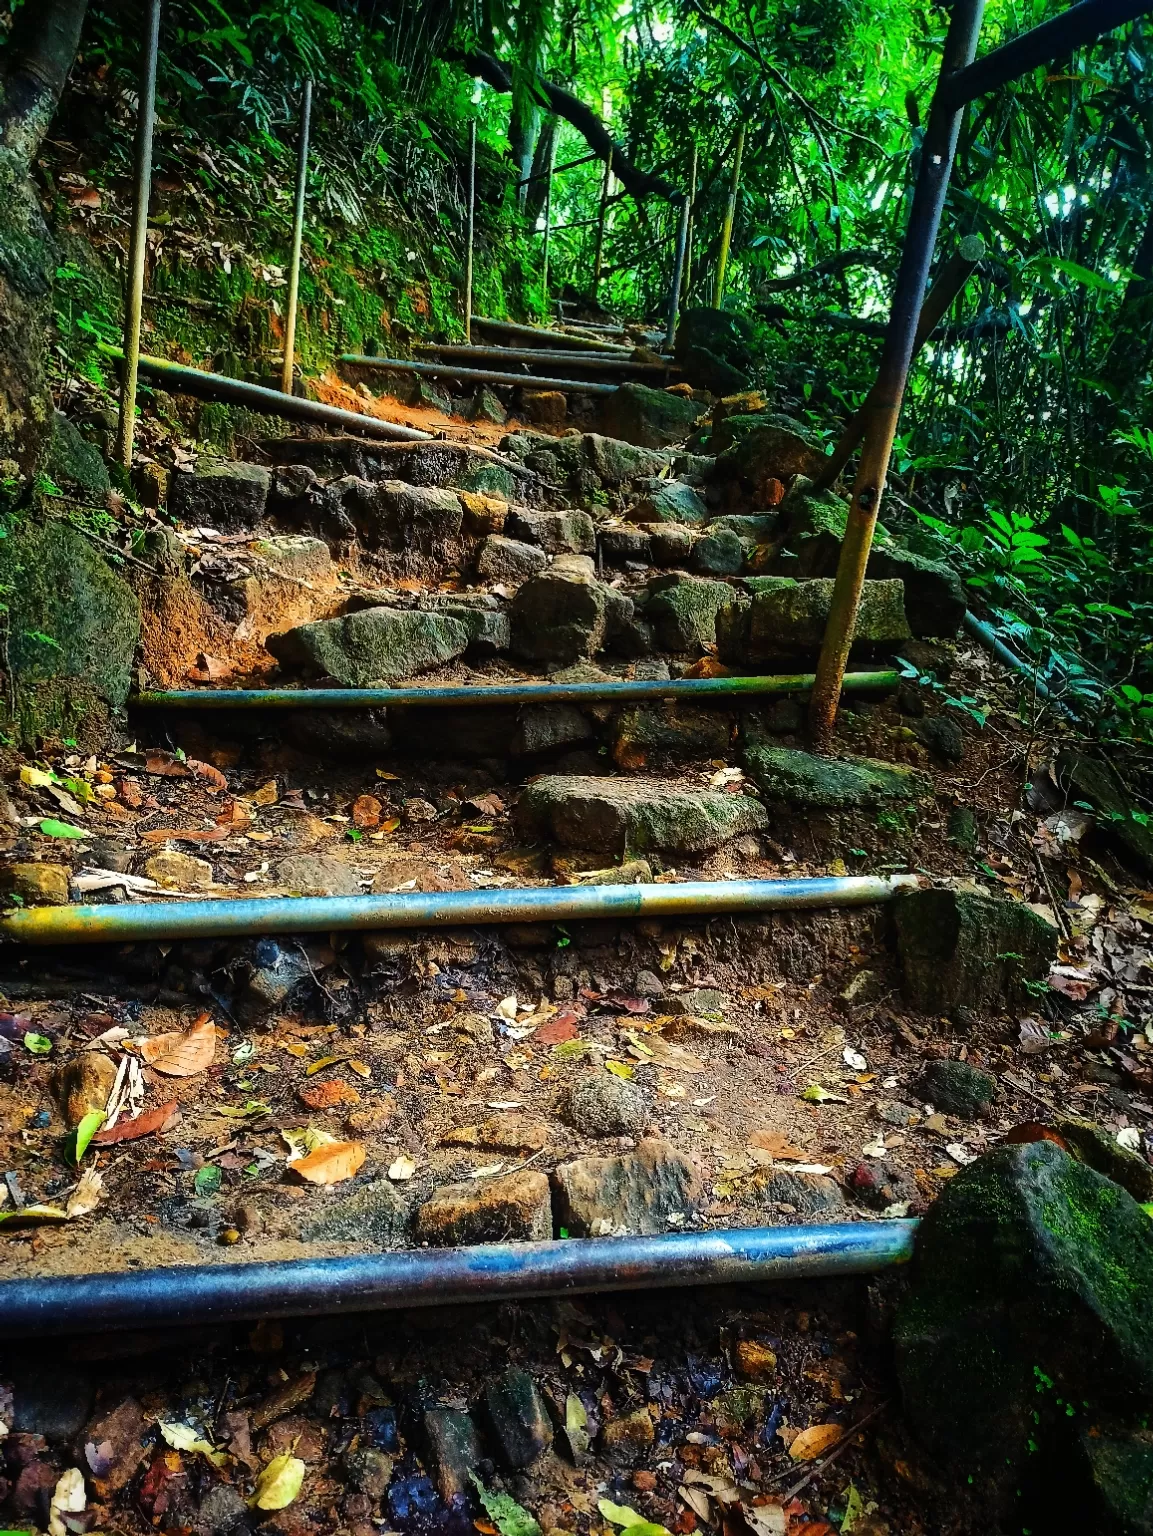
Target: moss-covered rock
<point x="1092" y="1144"/>
<point x="221" y="493"/>
<point x="828" y="783"/>
<point x="636" y="815"/>
<point x="375" y="645"/>
<point x="964" y="949"/>
<point x="669" y="730"/>
<point x="562" y="614"/>
<point x="73" y="629"/>
<point x="958" y="1088"/>
<point x="683" y="610"/>
<point x="716" y="348"/>
<point x="1088" y="778"/>
<point x="760" y="449"/>
<point x="650" y="418"/>
<point x="75" y="466"/>
<point x="1029" y="1317"/>
<point x="775" y="617"/>
<point x="670" y="501"/>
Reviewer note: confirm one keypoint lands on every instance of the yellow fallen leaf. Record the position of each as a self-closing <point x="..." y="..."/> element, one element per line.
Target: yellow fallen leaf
<point x="360" y="1069"/>
<point x="619" y="1068"/>
<point x="279" y="1483"/>
<point x="815" y="1440"/>
<point x="36" y="778"/>
<point x="330" y="1164"/>
<point x="319" y="1066"/>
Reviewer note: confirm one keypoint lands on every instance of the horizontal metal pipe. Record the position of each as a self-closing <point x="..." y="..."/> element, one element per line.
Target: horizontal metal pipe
<point x="131" y="921"/>
<point x="545" y="336"/>
<point x="271" y="402"/>
<point x="1054" y="38"/>
<point x="498" y="693"/>
<point x="992" y="642"/>
<point x="224" y="1293"/>
<point x="473" y="375"/>
<point x="539" y="357"/>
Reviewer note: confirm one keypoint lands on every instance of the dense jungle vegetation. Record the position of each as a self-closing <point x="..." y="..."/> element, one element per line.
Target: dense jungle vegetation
<point x="1026" y="443"/>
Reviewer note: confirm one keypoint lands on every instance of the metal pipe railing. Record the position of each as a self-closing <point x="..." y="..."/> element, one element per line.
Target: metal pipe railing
<point x="626" y="691"/>
<point x="546" y="336"/>
<point x="269" y="402"/>
<point x="542" y="357"/>
<point x="224" y="1293"/>
<point x="289" y="363"/>
<point x="138" y="240"/>
<point x="473" y="375"/>
<point x="261" y="915"/>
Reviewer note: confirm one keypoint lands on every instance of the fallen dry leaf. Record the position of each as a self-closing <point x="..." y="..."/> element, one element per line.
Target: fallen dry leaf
<point x="328" y="1094"/>
<point x="563" y="1027"/>
<point x="815" y="1440"/>
<point x="166" y="765"/>
<point x="776" y="1144"/>
<point x="162" y="1118"/>
<point x="206" y="771"/>
<point x="186" y="835"/>
<point x="87" y="1195"/>
<point x="184" y="1054"/>
<point x="331" y="1163"/>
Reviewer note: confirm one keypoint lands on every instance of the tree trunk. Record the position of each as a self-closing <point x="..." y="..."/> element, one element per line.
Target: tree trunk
<point x="523" y="129"/>
<point x="40" y="52"/>
<point x="541" y="160"/>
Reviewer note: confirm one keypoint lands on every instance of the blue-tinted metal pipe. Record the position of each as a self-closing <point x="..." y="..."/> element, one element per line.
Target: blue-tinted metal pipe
<point x="499" y="693"/>
<point x="132" y="921"/>
<point x="222" y="1293"/>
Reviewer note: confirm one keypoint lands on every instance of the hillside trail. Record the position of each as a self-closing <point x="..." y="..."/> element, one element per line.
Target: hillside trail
<point x="280" y="1097"/>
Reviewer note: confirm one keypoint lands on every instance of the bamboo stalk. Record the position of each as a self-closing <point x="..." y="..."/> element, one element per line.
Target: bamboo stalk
<point x="138" y="245"/>
<point x="727" y="225"/>
<point x="286" y="376"/>
<point x="546" y="337"/>
<point x="547" y="226"/>
<point x="678" y="273"/>
<point x="884" y="402"/>
<point x="949" y="282"/>
<point x="598" y="258"/>
<point x="686" y="281"/>
<point x="471" y="230"/>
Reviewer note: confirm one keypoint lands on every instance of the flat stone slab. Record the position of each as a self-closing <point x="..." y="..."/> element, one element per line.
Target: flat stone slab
<point x="618" y="815"/>
<point x="648" y="1190"/>
<point x="375" y="645"/>
<point x="830" y="783"/>
<point x="775" y="616"/>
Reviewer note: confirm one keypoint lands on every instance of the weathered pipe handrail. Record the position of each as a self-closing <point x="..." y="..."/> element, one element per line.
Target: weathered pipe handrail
<point x="548" y="337"/>
<point x="228" y="1293"/>
<point x="132" y="921"/>
<point x="542" y="357"/>
<point x="497" y="693"/>
<point x="269" y="402"/>
<point x="472" y="375"/>
<point x="1072" y="29"/>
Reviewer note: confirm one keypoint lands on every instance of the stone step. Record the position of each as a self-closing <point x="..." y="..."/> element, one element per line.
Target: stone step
<point x="631" y="815"/>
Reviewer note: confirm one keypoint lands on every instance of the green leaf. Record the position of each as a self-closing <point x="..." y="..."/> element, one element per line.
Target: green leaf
<point x="509" y="1517"/>
<point x="208" y="1179"/>
<point x="630" y="1522"/>
<point x="52" y="828"/>
<point x="39" y="1045"/>
<point x="79" y="1141"/>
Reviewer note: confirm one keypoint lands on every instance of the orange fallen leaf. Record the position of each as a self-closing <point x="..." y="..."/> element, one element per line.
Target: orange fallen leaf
<point x="330" y="1163"/>
<point x="707" y="666"/>
<point x="208" y="772"/>
<point x="776" y="1145"/>
<point x="563" y="1027"/>
<point x="160" y="1119"/>
<point x="366" y="811"/>
<point x="328" y="1094"/>
<point x="182" y="1053"/>
<point x="166" y="765"/>
<point x="186" y="835"/>
<point x="815" y="1440"/>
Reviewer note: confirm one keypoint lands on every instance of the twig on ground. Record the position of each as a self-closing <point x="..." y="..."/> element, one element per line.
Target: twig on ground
<point x="838" y="1450"/>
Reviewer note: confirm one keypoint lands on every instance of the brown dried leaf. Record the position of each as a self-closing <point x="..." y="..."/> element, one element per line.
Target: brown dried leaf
<point x="186" y="834"/>
<point x="166" y="765"/>
<point x="328" y="1094"/>
<point x="159" y="1119"/>
<point x="182" y="1054"/>
<point x="206" y="771"/>
<point x="332" y="1162"/>
<point x="776" y="1144"/>
<point x="815" y="1440"/>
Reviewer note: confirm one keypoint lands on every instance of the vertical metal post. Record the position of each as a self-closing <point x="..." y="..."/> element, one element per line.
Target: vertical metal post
<point x="884" y="402"/>
<point x="727" y="226"/>
<point x="686" y="280"/>
<point x="678" y="273"/>
<point x="471" y="230"/>
<point x="547" y="224"/>
<point x="286" y="380"/>
<point x="598" y="259"/>
<point x="138" y="244"/>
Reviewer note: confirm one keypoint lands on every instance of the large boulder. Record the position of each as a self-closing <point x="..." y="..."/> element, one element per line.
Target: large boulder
<point x="636" y="815"/>
<point x="73" y="625"/>
<point x="559" y="533"/>
<point x="771" y="452"/>
<point x="828" y="783"/>
<point x="716" y="349"/>
<point x="75" y="466"/>
<point x="963" y="949"/>
<point x="934" y="594"/>
<point x="775" y="617"/>
<point x="221" y="493"/>
<point x="683" y="610"/>
<point x="670" y="501"/>
<point x="1026" y="1334"/>
<point x="562" y="614"/>
<point x="375" y="645"/>
<point x="650" y="418"/>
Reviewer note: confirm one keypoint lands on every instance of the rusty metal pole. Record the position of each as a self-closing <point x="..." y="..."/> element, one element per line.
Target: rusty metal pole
<point x="686" y="280"/>
<point x="471" y="230"/>
<point x="297" y="241"/>
<point x="948" y="283"/>
<point x="547" y="226"/>
<point x="884" y="404"/>
<point x="138" y="245"/>
<point x="678" y="274"/>
<point x="727" y="225"/>
<point x="598" y="259"/>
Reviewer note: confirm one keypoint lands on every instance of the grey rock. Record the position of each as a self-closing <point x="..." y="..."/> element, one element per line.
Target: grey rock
<point x="697" y="1001"/>
<point x="338" y="733"/>
<point x="800" y="778"/>
<point x="630" y="815"/>
<point x="487" y="626"/>
<point x="484" y="406"/>
<point x="368" y="1470"/>
<point x="671" y="501"/>
<point x="783" y="717"/>
<point x="548" y="727"/>
<point x="75" y="466"/>
<point x="273" y="980"/>
<point x="557" y="533"/>
<point x="683" y="611"/>
<point x="512" y="1208"/>
<point x="808" y="1194"/>
<point x="758" y="527"/>
<point x="452" y="1448"/>
<point x="602" y="1105"/>
<point x="317" y="874"/>
<point x="943" y="737"/>
<point x="298" y="555"/>
<point x="648" y="984"/>
<point x="221" y="1510"/>
<point x="626" y="543"/>
<point x="960" y="949"/>
<point x="374" y="1214"/>
<point x="645" y="1191"/>
<point x="56" y="1403"/>
<point x="651" y="418"/>
<point x="221" y="493"/>
<point x="958" y="1088"/>
<point x="671" y="544"/>
<point x="415" y="517"/>
<point x="775" y="616"/>
<point x="518" y="1418"/>
<point x="373" y="645"/>
<point x="505" y="559"/>
<point x="560" y="615"/>
<point x="719" y="553"/>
